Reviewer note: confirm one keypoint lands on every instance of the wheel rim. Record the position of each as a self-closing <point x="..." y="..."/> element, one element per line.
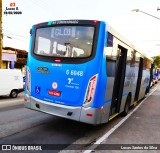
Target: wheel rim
<point x="14" y="94"/>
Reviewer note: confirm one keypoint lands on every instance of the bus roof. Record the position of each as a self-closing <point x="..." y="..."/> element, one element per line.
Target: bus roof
<point x="124" y="40"/>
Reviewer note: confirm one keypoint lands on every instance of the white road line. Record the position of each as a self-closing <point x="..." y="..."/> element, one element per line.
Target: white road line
<point x="105" y="136"/>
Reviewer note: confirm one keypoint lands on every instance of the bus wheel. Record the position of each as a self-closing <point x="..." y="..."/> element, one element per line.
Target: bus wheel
<point x="127" y="105"/>
<point x="13" y="94"/>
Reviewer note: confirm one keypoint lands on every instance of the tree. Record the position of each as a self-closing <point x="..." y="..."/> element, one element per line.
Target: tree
<point x="157" y="61"/>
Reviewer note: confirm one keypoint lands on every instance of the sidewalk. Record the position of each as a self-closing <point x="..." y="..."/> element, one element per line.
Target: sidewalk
<point x="142" y="127"/>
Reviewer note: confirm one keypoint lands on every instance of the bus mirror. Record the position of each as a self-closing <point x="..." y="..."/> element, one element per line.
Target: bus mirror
<point x="30" y="32"/>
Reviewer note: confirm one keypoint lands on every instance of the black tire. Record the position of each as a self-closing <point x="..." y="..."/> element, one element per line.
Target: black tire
<point x="13" y="94"/>
<point x="147" y="91"/>
<point x="127" y="106"/>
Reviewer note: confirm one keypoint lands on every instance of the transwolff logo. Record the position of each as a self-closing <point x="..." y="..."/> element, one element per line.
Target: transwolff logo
<point x="43" y="70"/>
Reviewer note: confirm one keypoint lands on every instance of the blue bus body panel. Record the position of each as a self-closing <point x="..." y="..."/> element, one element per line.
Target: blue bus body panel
<point x="66" y="84"/>
<point x="71" y="87"/>
<point x="99" y="99"/>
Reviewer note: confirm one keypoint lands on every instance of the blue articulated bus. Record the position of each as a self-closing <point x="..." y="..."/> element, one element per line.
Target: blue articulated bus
<point x="84" y="70"/>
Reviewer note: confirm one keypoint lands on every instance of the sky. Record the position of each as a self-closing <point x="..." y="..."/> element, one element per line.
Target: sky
<point x="140" y="29"/>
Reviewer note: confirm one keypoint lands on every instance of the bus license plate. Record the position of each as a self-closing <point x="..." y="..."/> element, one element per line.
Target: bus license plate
<point x="54" y="93"/>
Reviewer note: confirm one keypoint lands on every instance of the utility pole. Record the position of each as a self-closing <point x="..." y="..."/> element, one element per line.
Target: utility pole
<point x="1" y="34"/>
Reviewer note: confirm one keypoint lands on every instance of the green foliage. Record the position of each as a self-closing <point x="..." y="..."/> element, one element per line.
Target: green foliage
<point x="157" y="61"/>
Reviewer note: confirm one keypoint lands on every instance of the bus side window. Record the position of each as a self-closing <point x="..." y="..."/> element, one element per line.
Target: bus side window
<point x="111" y="53"/>
<point x="133" y="59"/>
<point x="144" y="63"/>
<point x="109" y="40"/>
<point x="111" y="68"/>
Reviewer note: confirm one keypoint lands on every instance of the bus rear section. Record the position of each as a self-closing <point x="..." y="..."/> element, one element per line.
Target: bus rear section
<point x="64" y="69"/>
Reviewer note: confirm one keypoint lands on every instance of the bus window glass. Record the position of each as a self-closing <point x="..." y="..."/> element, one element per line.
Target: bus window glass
<point x="43" y="46"/>
<point x="111" y="68"/>
<point x="133" y="59"/>
<point x="64" y="41"/>
<point x="148" y="64"/>
<point x="110" y="40"/>
<point x="111" y="50"/>
<point x="137" y="59"/>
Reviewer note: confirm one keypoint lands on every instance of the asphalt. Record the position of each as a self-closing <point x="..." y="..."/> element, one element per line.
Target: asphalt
<point x="140" y="132"/>
<point x="6" y="101"/>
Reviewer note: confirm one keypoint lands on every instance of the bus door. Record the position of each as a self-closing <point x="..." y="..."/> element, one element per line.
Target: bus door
<point x="119" y="80"/>
<point x="139" y="79"/>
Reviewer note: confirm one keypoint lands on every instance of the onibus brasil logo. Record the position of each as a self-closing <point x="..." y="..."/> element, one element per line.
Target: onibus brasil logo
<point x="12" y="9"/>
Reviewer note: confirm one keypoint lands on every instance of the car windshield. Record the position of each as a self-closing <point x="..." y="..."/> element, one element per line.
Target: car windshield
<point x="64" y="41"/>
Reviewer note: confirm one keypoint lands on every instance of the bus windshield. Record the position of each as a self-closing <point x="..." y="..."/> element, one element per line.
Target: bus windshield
<point x="64" y="41"/>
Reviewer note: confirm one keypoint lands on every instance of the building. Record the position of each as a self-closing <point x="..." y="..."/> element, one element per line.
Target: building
<point x="13" y="58"/>
<point x="8" y="59"/>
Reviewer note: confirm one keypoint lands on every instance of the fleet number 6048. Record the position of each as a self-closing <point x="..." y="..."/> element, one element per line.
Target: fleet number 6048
<point x="74" y="72"/>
